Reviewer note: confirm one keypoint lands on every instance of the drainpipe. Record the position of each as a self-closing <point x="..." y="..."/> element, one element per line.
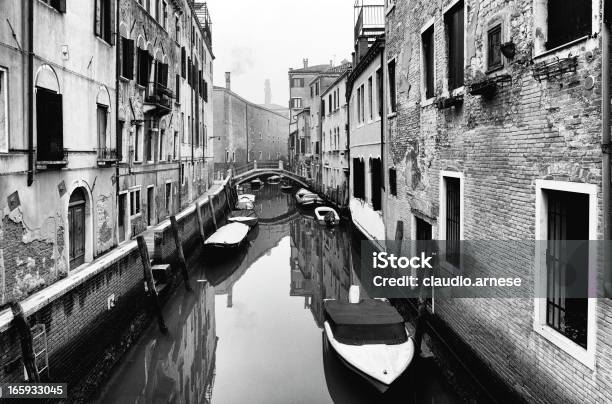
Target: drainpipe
<point x="30" y="92"/>
<point x="117" y="68"/>
<point x="605" y="143"/>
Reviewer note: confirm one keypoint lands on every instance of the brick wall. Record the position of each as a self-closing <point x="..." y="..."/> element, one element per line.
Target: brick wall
<point x="529" y="130"/>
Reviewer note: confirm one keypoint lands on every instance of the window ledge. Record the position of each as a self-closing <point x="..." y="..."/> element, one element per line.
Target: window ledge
<point x="103" y="41"/>
<point x="427" y="102"/>
<point x="458" y="91"/>
<point x="495" y="69"/>
<point x="124" y="79"/>
<point x="584" y="356"/>
<point x="559" y="48"/>
<point x="392" y="115"/>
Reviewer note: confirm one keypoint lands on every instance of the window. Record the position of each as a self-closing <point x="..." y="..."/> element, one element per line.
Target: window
<point x="175" y="145"/>
<point x="567" y="20"/>
<point x="297" y="83"/>
<point x="161" y="73"/>
<point x="362" y="104"/>
<point x="183" y="63"/>
<point x="103" y="24"/>
<point x="102" y="116"/>
<point x="168" y="198"/>
<point x="161" y="141"/>
<point x="330" y="105"/>
<point x="311" y="91"/>
<point x="177" y="86"/>
<point x="296" y="103"/>
<point x="428" y="62"/>
<point x="260" y="155"/>
<point x="453" y="20"/>
<point x="150" y="205"/>
<point x="127" y="58"/>
<point x="358" y="106"/>
<point x="393" y="181"/>
<point x="49" y="125"/>
<point x="567" y="219"/>
<point x="379" y="92"/>
<point x="135" y="202"/>
<point x="164" y="15"/>
<point x="120" y="137"/>
<point x="177" y="28"/>
<point x="370" y="98"/>
<point x="452" y="219"/>
<point x="358" y="178"/>
<point x="494" y="56"/>
<point x="59" y="5"/>
<point x="144" y="67"/>
<point x="376" y="183"/>
<point x="317" y="88"/>
<point x="137" y="139"/>
<point x="392" y="94"/>
<point x="4" y="121"/>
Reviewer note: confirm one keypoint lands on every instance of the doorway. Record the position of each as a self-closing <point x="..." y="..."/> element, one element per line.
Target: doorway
<point x="76" y="228"/>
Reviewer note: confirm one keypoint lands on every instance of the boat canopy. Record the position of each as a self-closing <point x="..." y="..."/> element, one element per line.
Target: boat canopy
<point x="366" y="322"/>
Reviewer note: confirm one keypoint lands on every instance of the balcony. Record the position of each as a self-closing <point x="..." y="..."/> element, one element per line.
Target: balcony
<point x="158" y="99"/>
<point x="107" y="156"/>
<point x="370" y="20"/>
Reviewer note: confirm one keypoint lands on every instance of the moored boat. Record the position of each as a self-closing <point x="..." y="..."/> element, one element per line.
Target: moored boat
<point x="370" y="337"/>
<point x="275" y="179"/>
<point x="229" y="236"/>
<point x="256" y="183"/>
<point x="246" y="216"/>
<point x="327" y="215"/>
<point x="286" y="186"/>
<point x="244" y="205"/>
<point x="246" y="198"/>
<point x="307" y="198"/>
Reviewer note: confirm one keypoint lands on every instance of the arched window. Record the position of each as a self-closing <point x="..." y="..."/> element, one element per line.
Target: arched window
<point x="49" y="117"/>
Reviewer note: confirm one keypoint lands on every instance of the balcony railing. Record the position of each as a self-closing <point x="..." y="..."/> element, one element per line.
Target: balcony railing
<point x="107" y="156"/>
<point x="159" y="96"/>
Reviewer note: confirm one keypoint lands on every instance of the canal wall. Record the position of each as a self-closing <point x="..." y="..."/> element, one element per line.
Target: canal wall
<point x="83" y="323"/>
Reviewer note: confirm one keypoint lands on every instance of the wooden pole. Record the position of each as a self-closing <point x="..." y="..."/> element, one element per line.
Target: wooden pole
<point x="200" y="221"/>
<point x="212" y="211"/>
<point x="27" y="342"/>
<point x="179" y="252"/>
<point x="148" y="276"/>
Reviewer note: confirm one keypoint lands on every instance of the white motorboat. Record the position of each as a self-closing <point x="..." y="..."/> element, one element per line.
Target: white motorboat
<point x="370" y="337"/>
<point x="229" y="236"/>
<point x="275" y="179"/>
<point x="246" y="198"/>
<point x="244" y="205"/>
<point x="248" y="217"/>
<point x="327" y="215"/>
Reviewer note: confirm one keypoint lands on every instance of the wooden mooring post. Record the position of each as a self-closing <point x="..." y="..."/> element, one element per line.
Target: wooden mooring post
<point x="179" y="251"/>
<point x="27" y="342"/>
<point x="148" y="276"/>
<point x="200" y="221"/>
<point x="212" y="211"/>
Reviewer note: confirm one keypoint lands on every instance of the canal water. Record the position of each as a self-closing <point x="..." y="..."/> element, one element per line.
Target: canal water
<point x="252" y="333"/>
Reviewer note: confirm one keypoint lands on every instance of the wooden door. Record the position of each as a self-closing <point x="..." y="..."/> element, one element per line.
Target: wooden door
<point x="76" y="229"/>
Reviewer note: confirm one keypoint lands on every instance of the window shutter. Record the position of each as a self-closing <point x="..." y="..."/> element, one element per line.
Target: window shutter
<point x="98" y="18"/>
<point x="112" y="38"/>
<point x="130" y="59"/>
<point x="183" y="62"/>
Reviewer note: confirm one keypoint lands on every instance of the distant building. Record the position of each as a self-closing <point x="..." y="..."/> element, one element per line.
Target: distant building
<point x="334" y="142"/>
<point x="245" y="131"/>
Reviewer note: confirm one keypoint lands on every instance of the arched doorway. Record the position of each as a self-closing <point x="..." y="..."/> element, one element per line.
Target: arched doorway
<point x="76" y="227"/>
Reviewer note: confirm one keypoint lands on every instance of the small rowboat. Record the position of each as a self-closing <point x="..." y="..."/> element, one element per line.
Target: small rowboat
<point x="370" y="337"/>
<point x="275" y="179"/>
<point x="248" y="217"/>
<point x="327" y="215"/>
<point x="256" y="182"/>
<point x="229" y="236"/>
<point x="244" y="205"/>
<point x="286" y="187"/>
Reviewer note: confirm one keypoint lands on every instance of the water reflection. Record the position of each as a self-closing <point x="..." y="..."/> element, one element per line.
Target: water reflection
<point x="249" y="331"/>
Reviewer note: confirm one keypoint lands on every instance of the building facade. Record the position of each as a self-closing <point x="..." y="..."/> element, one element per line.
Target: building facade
<point x="494" y="132"/>
<point x="334" y="142"/>
<point x="165" y="110"/>
<point x="245" y="131"/>
<point x="57" y="141"/>
<point x="301" y="97"/>
<point x="366" y="92"/>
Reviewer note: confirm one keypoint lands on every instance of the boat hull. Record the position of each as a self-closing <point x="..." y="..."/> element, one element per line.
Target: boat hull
<point x="249" y="221"/>
<point x="385" y="354"/>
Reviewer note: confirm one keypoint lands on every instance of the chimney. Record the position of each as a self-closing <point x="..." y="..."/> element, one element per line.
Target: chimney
<point x="228" y="80"/>
<point x="268" y="92"/>
<point x="305" y="63"/>
<point x="331" y="63"/>
<point x="363" y="46"/>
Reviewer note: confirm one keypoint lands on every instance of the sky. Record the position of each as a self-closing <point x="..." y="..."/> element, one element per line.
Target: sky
<point x="259" y="40"/>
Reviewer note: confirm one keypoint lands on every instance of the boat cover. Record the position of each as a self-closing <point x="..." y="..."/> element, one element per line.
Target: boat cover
<point x="366" y="322"/>
<point x="229" y="235"/>
<point x="243" y="213"/>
